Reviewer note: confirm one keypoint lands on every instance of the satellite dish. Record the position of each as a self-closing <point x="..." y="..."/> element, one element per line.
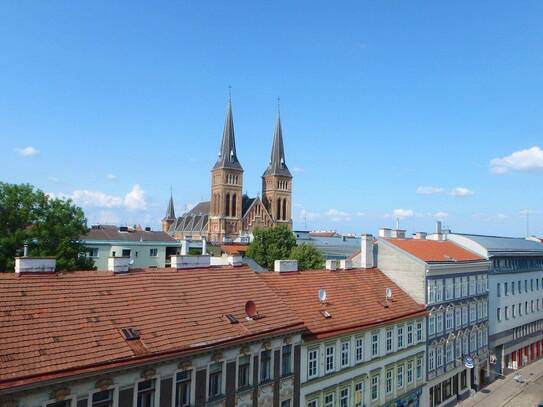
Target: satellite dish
<point x="468" y="362"/>
<point x="250" y="309"/>
<point x="388" y="293"/>
<point x="131" y="261"/>
<point x="322" y="295"/>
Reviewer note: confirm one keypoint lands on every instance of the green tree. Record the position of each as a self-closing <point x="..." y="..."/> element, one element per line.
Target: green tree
<point x="271" y="244"/>
<point x="50" y="226"/>
<point x="308" y="257"/>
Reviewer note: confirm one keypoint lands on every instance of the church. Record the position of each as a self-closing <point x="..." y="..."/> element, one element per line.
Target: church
<point x="229" y="215"/>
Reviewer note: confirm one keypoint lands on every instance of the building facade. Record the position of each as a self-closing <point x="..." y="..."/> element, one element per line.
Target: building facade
<point x="515" y="297"/>
<point x="359" y="349"/>
<point x="150" y="338"/>
<point x="145" y="248"/>
<point x="230" y="215"/>
<point x="452" y="282"/>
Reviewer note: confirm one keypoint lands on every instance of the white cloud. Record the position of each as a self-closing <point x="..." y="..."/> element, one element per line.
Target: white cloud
<point x="530" y="159"/>
<point x="336" y="215"/>
<point x="440" y="214"/>
<point x="304" y="214"/>
<point x="461" y="192"/>
<point x="135" y="199"/>
<point x="107" y="218"/>
<point x="111" y="176"/>
<point x="489" y="217"/>
<point x="403" y="213"/>
<point x="427" y="190"/>
<point x="27" y="151"/>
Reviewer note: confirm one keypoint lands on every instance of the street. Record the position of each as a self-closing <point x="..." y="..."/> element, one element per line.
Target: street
<point x="520" y="389"/>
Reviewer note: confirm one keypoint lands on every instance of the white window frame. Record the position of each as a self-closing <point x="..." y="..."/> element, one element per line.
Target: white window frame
<point x="343" y="352"/>
<point x="192" y="382"/>
<point x="157" y="389"/>
<point x="327" y="356"/>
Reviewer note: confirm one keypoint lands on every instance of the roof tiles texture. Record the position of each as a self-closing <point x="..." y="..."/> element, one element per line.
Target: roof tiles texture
<point x="355" y="299"/>
<point x="432" y="251"/>
<point x="67" y="321"/>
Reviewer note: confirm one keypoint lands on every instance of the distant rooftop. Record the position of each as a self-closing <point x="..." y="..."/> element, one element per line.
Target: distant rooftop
<point x="504" y="244"/>
<point x="123" y="233"/>
<point x="435" y="251"/>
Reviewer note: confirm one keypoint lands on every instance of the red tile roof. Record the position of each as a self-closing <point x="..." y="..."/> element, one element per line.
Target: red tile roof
<point x="432" y="251"/>
<point x="234" y="248"/>
<point x="355" y="299"/>
<point x="56" y="325"/>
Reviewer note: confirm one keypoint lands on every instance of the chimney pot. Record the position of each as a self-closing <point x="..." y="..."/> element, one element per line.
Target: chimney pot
<point x="366" y="251"/>
<point x="35" y="264"/>
<point x="283" y="266"/>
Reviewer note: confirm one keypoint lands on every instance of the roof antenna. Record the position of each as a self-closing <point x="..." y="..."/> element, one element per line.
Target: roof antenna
<point x="278" y="105"/>
<point x="398" y="223"/>
<point x="229" y="94"/>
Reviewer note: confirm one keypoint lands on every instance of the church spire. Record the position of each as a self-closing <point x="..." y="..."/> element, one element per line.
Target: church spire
<point x="170" y="212"/>
<point x="278" y="165"/>
<point x="227" y="153"/>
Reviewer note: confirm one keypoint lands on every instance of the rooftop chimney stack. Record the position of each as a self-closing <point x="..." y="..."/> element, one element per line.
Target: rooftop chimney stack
<point x="35" y="264"/>
<point x="331" y="265"/>
<point x="204" y="246"/>
<point x="419" y="235"/>
<point x="366" y="251"/>
<point x="385" y="233"/>
<point x="439" y="231"/>
<point x="284" y="266"/>
<point x="345" y="264"/>
<point x="118" y="264"/>
<point x="397" y="234"/>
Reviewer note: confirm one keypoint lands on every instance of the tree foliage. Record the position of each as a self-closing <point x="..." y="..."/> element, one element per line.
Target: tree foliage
<point x="50" y="227"/>
<point x="271" y="244"/>
<point x="308" y="256"/>
<point x="279" y="243"/>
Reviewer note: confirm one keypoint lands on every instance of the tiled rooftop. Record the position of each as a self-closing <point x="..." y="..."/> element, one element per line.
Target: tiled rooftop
<point x="59" y="324"/>
<point x="355" y="299"/>
<point x="432" y="251"/>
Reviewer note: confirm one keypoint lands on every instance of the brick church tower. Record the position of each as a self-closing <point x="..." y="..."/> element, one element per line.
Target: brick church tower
<point x="225" y="210"/>
<point x="277" y="181"/>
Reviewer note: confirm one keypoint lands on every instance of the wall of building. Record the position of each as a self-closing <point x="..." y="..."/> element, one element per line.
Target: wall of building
<point x="123" y="383"/>
<point x="360" y="373"/>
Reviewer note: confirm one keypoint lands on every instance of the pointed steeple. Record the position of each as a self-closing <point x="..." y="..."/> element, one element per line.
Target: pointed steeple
<point x="227" y="154"/>
<point x="170" y="212"/>
<point x="278" y="165"/>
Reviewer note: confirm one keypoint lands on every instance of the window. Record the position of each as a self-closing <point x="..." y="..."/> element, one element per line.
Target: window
<point x="458" y="316"/>
<point x="400" y="337"/>
<point x="344" y="397"/>
<point x="525" y="286"/>
<point x="431" y="292"/>
<point x="312" y="363"/>
<point x="285" y="403"/>
<point x="345" y="359"/>
<point x="480" y="338"/>
<point x="513" y="313"/>
<point x="312" y="403"/>
<point x="519" y="287"/>
<point x="449" y="319"/>
<point x="512" y="288"/>
<point x="520" y="309"/>
<point x="472" y="312"/>
<point x="472" y="285"/>
<point x="375" y="387"/>
<point x="506" y="312"/>
<point x="464" y="315"/>
<point x="410" y="372"/>
<point x="244" y="369"/>
<point x="499" y="290"/>
<point x="419" y="331"/>
<point x="146" y="393"/>
<point x="153" y="252"/>
<point x="388" y="340"/>
<point x="93" y="252"/>
<point x="432" y="324"/>
<point x="329" y="400"/>
<point x="439" y="290"/>
<point x="358" y="394"/>
<point x="472" y="341"/>
<point x="375" y="345"/>
<point x="449" y="289"/>
<point x="457" y="287"/>
<point x="439" y="356"/>
<point x="330" y="362"/>
<point x="388" y="381"/>
<point x="419" y="369"/>
<point x="126" y="253"/>
<point x="399" y="376"/>
<point x="182" y="388"/>
<point x="409" y="334"/>
<point x="431" y="359"/>
<point x="439" y="323"/>
<point x="458" y="349"/>
<point x="499" y="314"/>
<point x="286" y="360"/>
<point x="464" y="286"/>
<point x="532" y="284"/>
<point x="265" y="366"/>
<point x="102" y="398"/>
<point x="465" y="340"/>
<point x="359" y="349"/>
<point x="485" y="309"/>
<point x="215" y="380"/>
<point x="449" y="352"/>
<point x="480" y="310"/>
<point x="506" y="289"/>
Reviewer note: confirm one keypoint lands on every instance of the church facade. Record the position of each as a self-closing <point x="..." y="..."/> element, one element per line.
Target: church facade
<point x="229" y="215"/>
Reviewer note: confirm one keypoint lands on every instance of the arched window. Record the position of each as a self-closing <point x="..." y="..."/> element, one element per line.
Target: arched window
<point x="227" y="205"/>
<point x="284" y="209"/>
<point x="278" y="215"/>
<point x="233" y="204"/>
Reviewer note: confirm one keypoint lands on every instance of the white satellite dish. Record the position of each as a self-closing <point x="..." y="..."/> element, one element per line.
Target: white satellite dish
<point x="322" y="295"/>
<point x="131" y="261"/>
<point x="388" y="293"/>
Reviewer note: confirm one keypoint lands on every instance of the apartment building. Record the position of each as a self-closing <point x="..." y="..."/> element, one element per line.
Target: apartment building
<point x="515" y="298"/>
<point x="205" y="336"/>
<point x="452" y="282"/>
<point x="365" y="340"/>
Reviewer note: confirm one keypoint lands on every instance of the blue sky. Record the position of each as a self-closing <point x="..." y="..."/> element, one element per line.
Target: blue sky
<point x="421" y="110"/>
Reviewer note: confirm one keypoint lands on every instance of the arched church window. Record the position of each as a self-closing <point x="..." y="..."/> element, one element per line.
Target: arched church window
<point x="233" y="205"/>
<point x="227" y="205"/>
<point x="284" y="209"/>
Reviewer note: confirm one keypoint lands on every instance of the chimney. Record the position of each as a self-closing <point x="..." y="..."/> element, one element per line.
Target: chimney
<point x="419" y="235"/>
<point x="25" y="250"/>
<point x="204" y="246"/>
<point x="345" y="264"/>
<point x="385" y="233"/>
<point x="283" y="266"/>
<point x="331" y="265"/>
<point x="366" y="251"/>
<point x="184" y="247"/>
<point x="118" y="264"/>
<point x="234" y="260"/>
<point x="439" y="230"/>
<point x="190" y="262"/>
<point x="35" y="264"/>
<point x="397" y="234"/>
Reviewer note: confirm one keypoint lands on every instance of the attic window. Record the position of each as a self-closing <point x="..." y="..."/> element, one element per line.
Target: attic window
<point x="130" y="334"/>
<point x="231" y="318"/>
<point x="326" y="314"/>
